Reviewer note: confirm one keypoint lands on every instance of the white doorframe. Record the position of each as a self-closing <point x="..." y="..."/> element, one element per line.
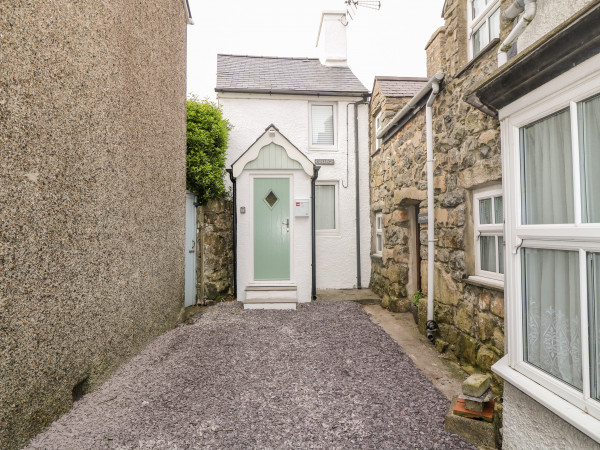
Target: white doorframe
<point x="190" y="249"/>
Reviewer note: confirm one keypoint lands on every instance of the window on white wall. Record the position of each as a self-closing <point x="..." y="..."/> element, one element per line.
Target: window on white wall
<point x="484" y="24"/>
<point x="553" y="222"/>
<point x="378" y="234"/>
<point x="489" y="233"/>
<point x="378" y="126"/>
<point x="325" y="207"/>
<point x="322" y="125"/>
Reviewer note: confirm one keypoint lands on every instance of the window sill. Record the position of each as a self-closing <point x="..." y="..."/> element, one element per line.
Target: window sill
<point x="563" y="409"/>
<point x="377" y="256"/>
<point x="492" y="44"/>
<point x="484" y="282"/>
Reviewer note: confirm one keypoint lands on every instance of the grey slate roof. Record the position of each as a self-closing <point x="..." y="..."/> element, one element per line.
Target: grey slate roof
<point x="400" y="86"/>
<point x="237" y="73"/>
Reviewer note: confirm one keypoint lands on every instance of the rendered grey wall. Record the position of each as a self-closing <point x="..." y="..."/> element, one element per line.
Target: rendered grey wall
<point x="529" y="425"/>
<point x="92" y="195"/>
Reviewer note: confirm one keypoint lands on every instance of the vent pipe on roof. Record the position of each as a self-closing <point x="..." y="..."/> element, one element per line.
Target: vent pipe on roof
<point x="332" y="40"/>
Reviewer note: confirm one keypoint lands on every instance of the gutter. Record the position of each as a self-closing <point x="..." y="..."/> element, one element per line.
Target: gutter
<point x="188" y="12"/>
<point x="357" y="180"/>
<point x="518" y="6"/>
<point x="293" y="92"/>
<point x="232" y="178"/>
<point x="437" y="78"/>
<point x="313" y="227"/>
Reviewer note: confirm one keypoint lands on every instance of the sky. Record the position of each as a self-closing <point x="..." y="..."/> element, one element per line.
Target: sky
<point x="388" y="42"/>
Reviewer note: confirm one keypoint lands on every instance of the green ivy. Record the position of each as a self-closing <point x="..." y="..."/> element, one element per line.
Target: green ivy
<point x="207" y="134"/>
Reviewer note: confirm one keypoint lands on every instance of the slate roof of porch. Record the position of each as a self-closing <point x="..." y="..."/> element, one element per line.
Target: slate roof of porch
<point x="400" y="86"/>
<point x="266" y="74"/>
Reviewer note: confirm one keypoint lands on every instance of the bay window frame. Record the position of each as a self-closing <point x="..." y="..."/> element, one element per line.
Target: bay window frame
<point x="576" y="85"/>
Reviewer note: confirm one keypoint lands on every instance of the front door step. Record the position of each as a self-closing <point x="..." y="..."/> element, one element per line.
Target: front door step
<point x="271" y="292"/>
<point x="271" y="297"/>
<point x="270" y="303"/>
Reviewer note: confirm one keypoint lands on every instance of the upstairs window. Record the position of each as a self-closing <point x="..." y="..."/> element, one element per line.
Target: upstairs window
<point x="484" y="24"/>
<point x="322" y="126"/>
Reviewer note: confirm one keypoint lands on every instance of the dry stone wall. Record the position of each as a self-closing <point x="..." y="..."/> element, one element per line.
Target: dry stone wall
<point x="215" y="260"/>
<point x="470" y="314"/>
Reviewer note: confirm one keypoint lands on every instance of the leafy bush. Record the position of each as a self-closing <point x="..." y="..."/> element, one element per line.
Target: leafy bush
<point x="207" y="134"/>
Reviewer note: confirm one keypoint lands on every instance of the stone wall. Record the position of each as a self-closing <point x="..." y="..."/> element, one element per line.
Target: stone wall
<point x="92" y="197"/>
<point x="215" y="258"/>
<point x="470" y="314"/>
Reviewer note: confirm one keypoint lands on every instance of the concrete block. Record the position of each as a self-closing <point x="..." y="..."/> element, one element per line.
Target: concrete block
<point x="477" y="432"/>
<point x="476" y="385"/>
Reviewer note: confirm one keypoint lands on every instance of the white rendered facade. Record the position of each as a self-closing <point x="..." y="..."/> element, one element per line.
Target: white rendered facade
<point x="336" y="249"/>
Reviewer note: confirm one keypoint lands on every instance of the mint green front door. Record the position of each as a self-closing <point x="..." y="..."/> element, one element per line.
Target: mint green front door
<point x="272" y="229"/>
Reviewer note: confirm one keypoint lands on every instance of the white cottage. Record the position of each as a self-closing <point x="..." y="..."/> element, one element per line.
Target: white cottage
<point x="298" y="160"/>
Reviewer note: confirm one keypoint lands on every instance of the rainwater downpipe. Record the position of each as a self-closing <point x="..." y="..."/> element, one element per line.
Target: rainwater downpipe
<point x="232" y="178"/>
<point x="518" y="6"/>
<point x="313" y="228"/>
<point x="431" y="326"/>
<point x="357" y="181"/>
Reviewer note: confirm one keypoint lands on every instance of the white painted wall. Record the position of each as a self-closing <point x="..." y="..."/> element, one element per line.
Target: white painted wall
<point x="527" y="424"/>
<point x="549" y="15"/>
<point x="250" y="114"/>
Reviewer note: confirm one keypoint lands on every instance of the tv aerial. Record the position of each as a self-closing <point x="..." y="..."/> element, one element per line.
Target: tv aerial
<point x="353" y="5"/>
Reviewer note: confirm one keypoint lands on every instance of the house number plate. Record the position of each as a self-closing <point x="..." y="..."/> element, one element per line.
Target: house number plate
<point x="324" y="162"/>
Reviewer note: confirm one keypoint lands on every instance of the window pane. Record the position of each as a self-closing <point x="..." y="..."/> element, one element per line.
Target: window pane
<point x="552" y="328"/>
<point x="495" y="25"/>
<point x="594" y="318"/>
<point x="498" y="212"/>
<point x="485" y="211"/>
<point x="547" y="171"/>
<point x="378" y="220"/>
<point x="589" y="142"/>
<point x="488" y="253"/>
<point x="478" y="6"/>
<point x="480" y="39"/>
<point x="325" y="207"/>
<point x="322" y="124"/>
<point x="379" y="243"/>
<point x="500" y="254"/>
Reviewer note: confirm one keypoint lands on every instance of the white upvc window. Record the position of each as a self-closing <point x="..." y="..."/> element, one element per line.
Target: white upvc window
<point x="326" y="207"/>
<point x="489" y="233"/>
<point x="551" y="148"/>
<point x="378" y="234"/>
<point x="378" y="126"/>
<point x="484" y="24"/>
<point x="322" y="129"/>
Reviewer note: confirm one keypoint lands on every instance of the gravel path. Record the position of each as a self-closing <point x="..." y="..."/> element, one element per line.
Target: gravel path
<point x="323" y="376"/>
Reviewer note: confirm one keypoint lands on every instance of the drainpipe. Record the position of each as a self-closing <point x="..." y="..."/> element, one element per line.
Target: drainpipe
<point x="518" y="6"/>
<point x="431" y="326"/>
<point x="357" y="176"/>
<point x="232" y="178"/>
<point x="313" y="179"/>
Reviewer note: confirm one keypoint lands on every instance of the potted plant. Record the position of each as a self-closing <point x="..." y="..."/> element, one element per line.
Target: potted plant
<point x="414" y="308"/>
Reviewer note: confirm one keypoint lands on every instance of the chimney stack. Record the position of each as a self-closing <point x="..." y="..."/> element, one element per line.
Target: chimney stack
<point x="331" y="40"/>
